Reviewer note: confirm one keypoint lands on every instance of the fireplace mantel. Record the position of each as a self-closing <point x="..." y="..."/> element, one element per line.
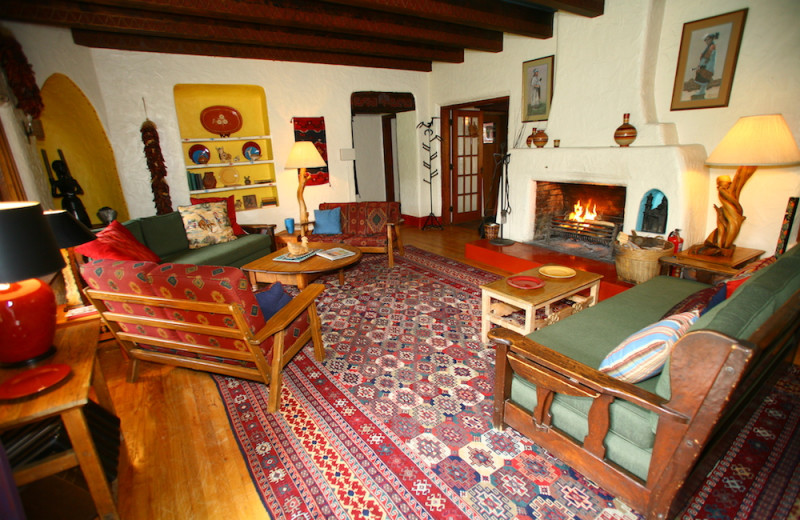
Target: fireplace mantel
<point x="678" y="171"/>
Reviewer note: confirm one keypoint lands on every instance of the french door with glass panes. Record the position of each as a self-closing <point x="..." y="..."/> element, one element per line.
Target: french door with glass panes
<point x="466" y="196"/>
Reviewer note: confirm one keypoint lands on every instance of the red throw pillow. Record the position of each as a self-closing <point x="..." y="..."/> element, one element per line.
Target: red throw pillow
<point x="745" y="272"/>
<point x="237" y="229"/>
<point x="115" y="242"/>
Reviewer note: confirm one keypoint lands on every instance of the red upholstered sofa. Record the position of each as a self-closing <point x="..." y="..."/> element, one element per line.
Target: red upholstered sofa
<point x="373" y="227"/>
<point x="201" y="317"/>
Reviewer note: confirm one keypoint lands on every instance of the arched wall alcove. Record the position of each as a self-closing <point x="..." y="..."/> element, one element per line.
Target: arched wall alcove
<point x="653" y="212"/>
<point x="71" y="125"/>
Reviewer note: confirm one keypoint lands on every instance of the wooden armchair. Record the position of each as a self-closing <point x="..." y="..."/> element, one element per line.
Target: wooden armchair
<point x="201" y="317"/>
<point x="712" y="378"/>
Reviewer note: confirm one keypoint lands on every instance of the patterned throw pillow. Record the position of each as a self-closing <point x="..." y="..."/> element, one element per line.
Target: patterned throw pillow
<point x="206" y="224"/>
<point x="237" y="229"/>
<point x="643" y="354"/>
<point x="115" y="242"/>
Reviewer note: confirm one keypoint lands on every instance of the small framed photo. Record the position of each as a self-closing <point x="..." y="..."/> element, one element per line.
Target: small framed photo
<point x="707" y="61"/>
<point x="250" y="201"/>
<point x="488" y="133"/>
<point x="537" y="89"/>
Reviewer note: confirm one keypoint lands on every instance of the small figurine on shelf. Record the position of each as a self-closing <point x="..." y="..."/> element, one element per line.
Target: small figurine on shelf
<point x="223" y="155"/>
<point x="247" y="180"/>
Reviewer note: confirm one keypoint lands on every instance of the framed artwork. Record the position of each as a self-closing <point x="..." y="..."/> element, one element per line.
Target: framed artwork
<point x="537" y="89"/>
<point x="786" y="227"/>
<point x="488" y="133"/>
<point x="250" y="202"/>
<point x="707" y="61"/>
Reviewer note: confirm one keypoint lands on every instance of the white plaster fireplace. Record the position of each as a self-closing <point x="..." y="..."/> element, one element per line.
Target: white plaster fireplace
<point x="677" y="171"/>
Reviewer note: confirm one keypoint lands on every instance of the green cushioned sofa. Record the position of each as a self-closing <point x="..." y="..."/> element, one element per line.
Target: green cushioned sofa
<point x="166" y="237"/>
<point x="641" y="441"/>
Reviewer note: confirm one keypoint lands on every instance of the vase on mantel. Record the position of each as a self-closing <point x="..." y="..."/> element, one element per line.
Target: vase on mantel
<point x="540" y="139"/>
<point x="209" y="181"/>
<point x="529" y="140"/>
<point x="626" y="133"/>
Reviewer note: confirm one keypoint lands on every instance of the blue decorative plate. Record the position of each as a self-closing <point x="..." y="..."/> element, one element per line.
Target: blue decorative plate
<point x="199" y="154"/>
<point x="251" y="151"/>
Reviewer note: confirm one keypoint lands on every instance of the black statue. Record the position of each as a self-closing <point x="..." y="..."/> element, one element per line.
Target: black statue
<point x="66" y="187"/>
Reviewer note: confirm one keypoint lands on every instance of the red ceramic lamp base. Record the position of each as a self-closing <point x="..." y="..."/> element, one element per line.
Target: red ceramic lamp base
<point x="27" y="322"/>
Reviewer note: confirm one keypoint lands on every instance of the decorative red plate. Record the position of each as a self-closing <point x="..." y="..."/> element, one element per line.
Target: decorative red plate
<point x="221" y="120"/>
<point x="525" y="282"/>
<point x="33" y="381"/>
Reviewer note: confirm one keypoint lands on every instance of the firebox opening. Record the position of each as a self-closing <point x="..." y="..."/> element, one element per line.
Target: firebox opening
<point x="579" y="218"/>
<point x="653" y="212"/>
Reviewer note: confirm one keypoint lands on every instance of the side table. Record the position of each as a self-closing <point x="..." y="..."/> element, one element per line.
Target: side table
<point x="529" y="300"/>
<point x="709" y="269"/>
<point x="75" y="346"/>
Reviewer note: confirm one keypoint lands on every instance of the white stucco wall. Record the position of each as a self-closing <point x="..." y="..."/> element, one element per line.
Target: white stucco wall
<point x="117" y="81"/>
<point x="622" y="61"/>
<point x="625" y="61"/>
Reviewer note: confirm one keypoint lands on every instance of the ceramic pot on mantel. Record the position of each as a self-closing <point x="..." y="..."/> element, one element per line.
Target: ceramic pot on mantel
<point x="540" y="139"/>
<point x="529" y="140"/>
<point x="626" y="133"/>
<point x="209" y="181"/>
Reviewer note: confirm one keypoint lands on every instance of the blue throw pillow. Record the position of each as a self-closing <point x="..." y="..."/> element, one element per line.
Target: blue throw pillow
<point x="272" y="300"/>
<point x="328" y="221"/>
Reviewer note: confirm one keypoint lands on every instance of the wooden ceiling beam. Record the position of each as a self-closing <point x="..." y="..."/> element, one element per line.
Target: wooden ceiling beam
<point x="107" y="19"/>
<point x="485" y="14"/>
<point x="127" y="42"/>
<point x="319" y="16"/>
<point x="588" y="8"/>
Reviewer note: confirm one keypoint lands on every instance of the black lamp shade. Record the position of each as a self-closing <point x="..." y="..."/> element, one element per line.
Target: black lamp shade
<point x="28" y="248"/>
<point x="68" y="230"/>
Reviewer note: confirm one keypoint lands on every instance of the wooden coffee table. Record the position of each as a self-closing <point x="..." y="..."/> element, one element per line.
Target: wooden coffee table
<point x="499" y="299"/>
<point x="268" y="270"/>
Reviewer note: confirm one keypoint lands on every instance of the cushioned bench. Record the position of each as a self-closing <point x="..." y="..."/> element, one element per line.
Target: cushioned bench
<point x="641" y="440"/>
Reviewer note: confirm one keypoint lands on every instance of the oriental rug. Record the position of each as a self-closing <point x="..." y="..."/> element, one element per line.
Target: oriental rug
<point x="396" y="422"/>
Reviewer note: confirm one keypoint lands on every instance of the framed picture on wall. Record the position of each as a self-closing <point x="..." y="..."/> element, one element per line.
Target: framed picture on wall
<point x="250" y="202"/>
<point x="707" y="61"/>
<point x="537" y="89"/>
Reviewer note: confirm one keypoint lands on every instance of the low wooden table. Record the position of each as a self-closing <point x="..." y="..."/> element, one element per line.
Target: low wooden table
<point x="75" y="346"/>
<point x="268" y="270"/>
<point x="709" y="269"/>
<point x="529" y="300"/>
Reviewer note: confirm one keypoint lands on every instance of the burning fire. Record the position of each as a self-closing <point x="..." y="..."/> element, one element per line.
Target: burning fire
<point x="581" y="214"/>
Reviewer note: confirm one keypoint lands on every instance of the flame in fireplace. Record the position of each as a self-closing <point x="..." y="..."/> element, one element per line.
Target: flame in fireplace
<point x="581" y="213"/>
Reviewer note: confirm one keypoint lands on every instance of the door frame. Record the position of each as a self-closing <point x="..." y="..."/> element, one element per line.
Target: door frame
<point x="445" y="114"/>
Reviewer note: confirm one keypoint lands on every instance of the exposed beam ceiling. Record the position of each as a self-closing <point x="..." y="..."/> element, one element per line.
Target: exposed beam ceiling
<point x="394" y="34"/>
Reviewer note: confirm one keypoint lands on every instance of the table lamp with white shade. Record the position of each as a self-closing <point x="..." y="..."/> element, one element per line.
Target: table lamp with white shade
<point x="303" y="155"/>
<point x="753" y="142"/>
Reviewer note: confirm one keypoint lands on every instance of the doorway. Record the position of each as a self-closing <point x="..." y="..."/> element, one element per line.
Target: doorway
<point x="474" y="143"/>
<point x="379" y="122"/>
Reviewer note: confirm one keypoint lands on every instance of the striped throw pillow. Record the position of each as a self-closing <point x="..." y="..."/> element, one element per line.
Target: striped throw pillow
<point x="643" y="354"/>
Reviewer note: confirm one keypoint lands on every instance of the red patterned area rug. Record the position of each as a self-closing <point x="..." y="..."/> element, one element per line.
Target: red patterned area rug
<point x="396" y="422"/>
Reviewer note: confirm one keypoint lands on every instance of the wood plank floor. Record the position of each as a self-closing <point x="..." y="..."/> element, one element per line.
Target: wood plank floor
<point x="182" y="459"/>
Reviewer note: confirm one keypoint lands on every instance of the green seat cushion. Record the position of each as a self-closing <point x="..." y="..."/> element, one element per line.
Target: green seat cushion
<point x="234" y="253"/>
<point x="164" y="234"/>
<point x="591" y="334"/>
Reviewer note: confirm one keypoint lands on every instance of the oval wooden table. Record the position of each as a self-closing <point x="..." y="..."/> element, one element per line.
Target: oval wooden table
<point x="269" y="270"/>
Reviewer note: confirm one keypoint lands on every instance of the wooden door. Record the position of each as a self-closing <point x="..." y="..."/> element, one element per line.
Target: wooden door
<point x="467" y="157"/>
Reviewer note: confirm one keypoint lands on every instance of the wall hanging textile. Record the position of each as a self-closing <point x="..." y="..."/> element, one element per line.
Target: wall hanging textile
<point x="313" y="129"/>
<point x="158" y="170"/>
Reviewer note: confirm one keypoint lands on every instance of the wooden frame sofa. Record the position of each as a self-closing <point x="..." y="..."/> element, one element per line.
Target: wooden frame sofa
<point x="649" y="442"/>
<point x="373" y="227"/>
<point x="201" y="317"/>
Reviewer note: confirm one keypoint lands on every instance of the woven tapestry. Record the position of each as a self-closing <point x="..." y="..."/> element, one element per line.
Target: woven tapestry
<point x="313" y="129"/>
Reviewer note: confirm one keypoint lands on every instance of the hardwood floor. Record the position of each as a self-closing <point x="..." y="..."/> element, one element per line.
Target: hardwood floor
<point x="182" y="459"/>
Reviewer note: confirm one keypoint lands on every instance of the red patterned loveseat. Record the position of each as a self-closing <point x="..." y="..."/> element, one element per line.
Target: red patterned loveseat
<point x="201" y="317"/>
<point x="373" y="227"/>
